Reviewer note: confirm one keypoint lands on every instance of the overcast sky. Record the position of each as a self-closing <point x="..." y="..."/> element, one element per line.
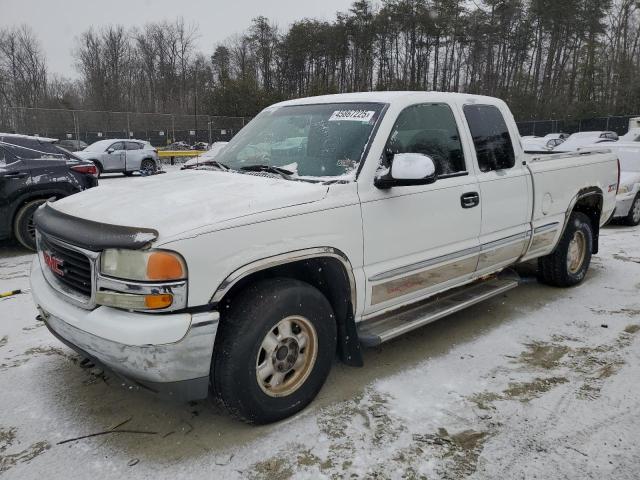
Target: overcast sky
<point x="57" y="23"/>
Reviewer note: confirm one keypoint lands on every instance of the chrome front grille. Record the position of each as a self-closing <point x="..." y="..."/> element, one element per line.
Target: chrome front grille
<point x="68" y="269"/>
<point x="75" y="267"/>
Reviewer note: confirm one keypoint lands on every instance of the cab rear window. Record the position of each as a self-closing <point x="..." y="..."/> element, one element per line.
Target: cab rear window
<point x="491" y="138"/>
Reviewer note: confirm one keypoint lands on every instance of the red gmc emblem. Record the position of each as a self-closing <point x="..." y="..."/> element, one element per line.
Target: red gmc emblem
<point x="54" y="263"/>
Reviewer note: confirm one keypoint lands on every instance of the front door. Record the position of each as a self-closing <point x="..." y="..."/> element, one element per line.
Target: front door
<point x="421" y="239"/>
<point x="114" y="159"/>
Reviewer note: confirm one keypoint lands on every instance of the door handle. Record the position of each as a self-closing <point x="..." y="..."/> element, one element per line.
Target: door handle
<point x="16" y="175"/>
<point x="470" y="200"/>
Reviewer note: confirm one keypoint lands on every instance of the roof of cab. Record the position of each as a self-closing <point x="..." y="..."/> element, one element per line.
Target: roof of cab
<point x="384" y="97"/>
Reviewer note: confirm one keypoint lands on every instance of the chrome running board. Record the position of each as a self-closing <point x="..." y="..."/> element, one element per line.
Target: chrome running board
<point x="393" y="324"/>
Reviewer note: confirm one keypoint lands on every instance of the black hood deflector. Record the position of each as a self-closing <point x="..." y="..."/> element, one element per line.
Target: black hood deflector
<point x="89" y="234"/>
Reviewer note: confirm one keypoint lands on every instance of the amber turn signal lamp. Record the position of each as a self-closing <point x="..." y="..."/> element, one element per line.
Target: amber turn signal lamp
<point x="164" y="266"/>
<point x="158" y="301"/>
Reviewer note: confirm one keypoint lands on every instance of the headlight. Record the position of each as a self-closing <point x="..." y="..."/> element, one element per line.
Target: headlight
<point x="624" y="189"/>
<point x="145" y="266"/>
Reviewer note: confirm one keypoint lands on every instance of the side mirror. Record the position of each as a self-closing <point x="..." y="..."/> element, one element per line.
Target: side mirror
<point x="110" y="150"/>
<point x="408" y="169"/>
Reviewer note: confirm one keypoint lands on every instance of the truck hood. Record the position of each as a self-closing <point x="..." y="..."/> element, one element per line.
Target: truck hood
<point x="178" y="202"/>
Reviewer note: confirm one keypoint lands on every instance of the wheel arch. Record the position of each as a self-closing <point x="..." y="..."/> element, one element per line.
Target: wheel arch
<point x="34" y="195"/>
<point x="588" y="201"/>
<point x="328" y="269"/>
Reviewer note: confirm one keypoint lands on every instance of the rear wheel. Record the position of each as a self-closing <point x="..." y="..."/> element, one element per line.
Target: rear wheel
<point x="633" y="217"/>
<point x="274" y="350"/>
<point x="148" y="167"/>
<point x="23" y="226"/>
<point x="569" y="262"/>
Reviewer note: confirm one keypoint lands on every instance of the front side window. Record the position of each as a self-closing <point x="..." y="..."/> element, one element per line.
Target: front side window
<point x="491" y="138"/>
<point x="429" y="129"/>
<point x="324" y="140"/>
<point x="117" y="146"/>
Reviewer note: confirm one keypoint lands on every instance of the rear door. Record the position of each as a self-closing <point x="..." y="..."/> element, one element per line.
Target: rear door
<point x="421" y="239"/>
<point x="134" y="156"/>
<point x="114" y="159"/>
<point x="505" y="188"/>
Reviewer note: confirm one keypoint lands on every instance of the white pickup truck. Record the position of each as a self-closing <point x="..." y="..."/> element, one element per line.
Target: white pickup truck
<point x="327" y="223"/>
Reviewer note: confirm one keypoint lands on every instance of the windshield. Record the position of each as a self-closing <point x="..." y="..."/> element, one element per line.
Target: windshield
<point x="324" y="140"/>
<point x="212" y="152"/>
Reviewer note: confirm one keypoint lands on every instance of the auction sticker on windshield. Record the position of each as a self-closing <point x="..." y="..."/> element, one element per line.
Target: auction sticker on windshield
<point x="352" y="115"/>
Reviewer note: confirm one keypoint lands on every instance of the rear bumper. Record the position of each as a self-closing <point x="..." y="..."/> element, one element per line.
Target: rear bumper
<point x="179" y="369"/>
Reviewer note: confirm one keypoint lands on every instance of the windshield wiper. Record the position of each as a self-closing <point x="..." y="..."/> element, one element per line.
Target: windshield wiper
<point x="283" y="172"/>
<point x="215" y="163"/>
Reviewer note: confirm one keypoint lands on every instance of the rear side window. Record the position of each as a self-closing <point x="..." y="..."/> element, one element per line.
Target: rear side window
<point x="32" y="149"/>
<point x="429" y="129"/>
<point x="490" y="137"/>
<point x="134" y="146"/>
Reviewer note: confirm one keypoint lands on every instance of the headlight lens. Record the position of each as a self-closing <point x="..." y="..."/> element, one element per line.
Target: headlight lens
<point x="145" y="266"/>
<point x="624" y="189"/>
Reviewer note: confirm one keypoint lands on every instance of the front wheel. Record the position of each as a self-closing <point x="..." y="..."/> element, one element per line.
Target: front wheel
<point x="569" y="262"/>
<point x="633" y="217"/>
<point x="274" y="350"/>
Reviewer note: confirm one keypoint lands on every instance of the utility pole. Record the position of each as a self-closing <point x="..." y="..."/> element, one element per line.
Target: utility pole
<point x="195" y="101"/>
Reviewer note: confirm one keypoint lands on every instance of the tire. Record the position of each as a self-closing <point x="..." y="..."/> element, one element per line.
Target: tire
<point x="259" y="313"/>
<point x="633" y="217"/>
<point x="568" y="264"/>
<point x="148" y="167"/>
<point x="23" y="228"/>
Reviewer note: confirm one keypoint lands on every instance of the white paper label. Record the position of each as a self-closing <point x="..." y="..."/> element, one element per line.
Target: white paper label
<point x="352" y="116"/>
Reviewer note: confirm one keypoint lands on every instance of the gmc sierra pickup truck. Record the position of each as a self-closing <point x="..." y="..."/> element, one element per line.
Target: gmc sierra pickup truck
<point x="327" y="223"/>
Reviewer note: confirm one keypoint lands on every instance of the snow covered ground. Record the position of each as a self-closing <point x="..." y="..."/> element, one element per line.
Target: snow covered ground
<point x="539" y="383"/>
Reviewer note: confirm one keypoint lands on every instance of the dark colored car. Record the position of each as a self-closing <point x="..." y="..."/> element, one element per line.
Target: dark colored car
<point x="33" y="170"/>
<point x="72" y="145"/>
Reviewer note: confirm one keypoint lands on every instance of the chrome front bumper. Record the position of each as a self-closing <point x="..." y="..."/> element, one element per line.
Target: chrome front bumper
<point x="179" y="369"/>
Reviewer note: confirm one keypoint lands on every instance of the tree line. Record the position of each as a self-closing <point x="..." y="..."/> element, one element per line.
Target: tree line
<point x="547" y="59"/>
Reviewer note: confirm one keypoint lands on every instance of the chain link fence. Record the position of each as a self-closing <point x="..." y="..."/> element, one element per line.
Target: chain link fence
<point x="161" y="129"/>
<point x="89" y="126"/>
<point x="540" y="128"/>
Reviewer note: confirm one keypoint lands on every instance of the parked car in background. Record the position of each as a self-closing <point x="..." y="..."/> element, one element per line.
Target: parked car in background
<point x="32" y="170"/>
<point x="331" y="222"/>
<point x="122" y="155"/>
<point x="206" y="158"/>
<point x="200" y="146"/>
<point x="72" y="145"/>
<point x="548" y="142"/>
<point x="582" y="139"/>
<point x="633" y="135"/>
<point x="628" y="197"/>
<point x="178" y="146"/>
